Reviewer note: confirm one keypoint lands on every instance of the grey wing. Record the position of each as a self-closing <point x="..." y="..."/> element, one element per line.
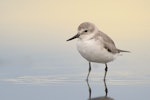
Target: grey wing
<point x="108" y="43"/>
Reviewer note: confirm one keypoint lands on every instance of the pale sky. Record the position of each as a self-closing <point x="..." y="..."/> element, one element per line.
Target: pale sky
<point x="44" y="25"/>
<point x="117" y="18"/>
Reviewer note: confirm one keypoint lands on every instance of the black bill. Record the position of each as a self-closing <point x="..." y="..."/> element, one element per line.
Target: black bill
<point x="76" y="36"/>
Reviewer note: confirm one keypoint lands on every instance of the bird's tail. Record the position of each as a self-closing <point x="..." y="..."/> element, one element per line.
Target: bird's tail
<point x="123" y="51"/>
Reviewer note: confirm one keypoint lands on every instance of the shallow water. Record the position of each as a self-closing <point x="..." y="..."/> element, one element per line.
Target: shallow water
<point x="48" y="77"/>
<point x="72" y="87"/>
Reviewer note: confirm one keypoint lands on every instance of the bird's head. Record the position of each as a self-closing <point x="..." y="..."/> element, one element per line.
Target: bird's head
<point x="84" y="30"/>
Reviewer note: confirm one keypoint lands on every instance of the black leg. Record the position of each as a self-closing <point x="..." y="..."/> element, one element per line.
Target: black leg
<point x="106" y="69"/>
<point x="89" y="71"/>
<point x="106" y="90"/>
<point x="90" y="91"/>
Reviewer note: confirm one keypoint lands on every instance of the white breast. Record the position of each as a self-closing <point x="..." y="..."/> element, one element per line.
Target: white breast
<point x="94" y="51"/>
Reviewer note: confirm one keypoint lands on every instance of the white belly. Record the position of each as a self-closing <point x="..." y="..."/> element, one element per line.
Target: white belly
<point x="93" y="51"/>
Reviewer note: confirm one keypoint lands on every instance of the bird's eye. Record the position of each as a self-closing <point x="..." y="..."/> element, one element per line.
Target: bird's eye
<point x="86" y="31"/>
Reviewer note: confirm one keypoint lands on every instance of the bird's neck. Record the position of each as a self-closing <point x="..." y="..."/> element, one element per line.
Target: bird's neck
<point x="86" y="37"/>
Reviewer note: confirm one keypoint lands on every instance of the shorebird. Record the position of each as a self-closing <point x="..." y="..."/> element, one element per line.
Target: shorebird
<point x="95" y="46"/>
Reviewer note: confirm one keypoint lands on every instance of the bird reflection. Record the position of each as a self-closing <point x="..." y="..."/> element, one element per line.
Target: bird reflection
<point x="101" y="97"/>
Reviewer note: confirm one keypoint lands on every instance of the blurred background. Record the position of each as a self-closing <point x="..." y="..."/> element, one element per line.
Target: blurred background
<point x="36" y="62"/>
<point x="33" y="37"/>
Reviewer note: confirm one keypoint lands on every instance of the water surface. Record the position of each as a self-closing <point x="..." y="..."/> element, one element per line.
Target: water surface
<point x="72" y="87"/>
